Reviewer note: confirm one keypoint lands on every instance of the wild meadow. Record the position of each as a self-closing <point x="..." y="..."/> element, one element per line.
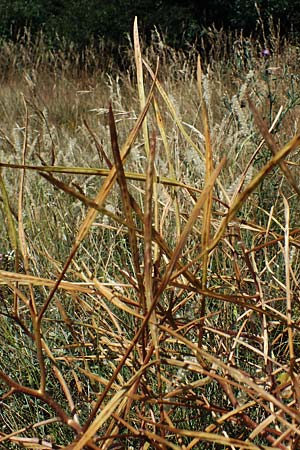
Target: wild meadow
<point x="150" y="246"/>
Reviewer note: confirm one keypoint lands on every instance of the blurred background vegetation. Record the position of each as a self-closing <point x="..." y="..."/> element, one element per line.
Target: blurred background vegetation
<point x="182" y="23"/>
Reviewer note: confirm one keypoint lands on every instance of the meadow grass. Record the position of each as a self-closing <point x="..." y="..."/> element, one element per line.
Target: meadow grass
<point x="150" y="247"/>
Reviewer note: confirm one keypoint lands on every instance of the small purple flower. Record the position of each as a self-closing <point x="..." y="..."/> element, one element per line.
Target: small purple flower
<point x="265" y="53"/>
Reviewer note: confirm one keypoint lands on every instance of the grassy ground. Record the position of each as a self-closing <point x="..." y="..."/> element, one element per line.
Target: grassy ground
<point x="150" y="251"/>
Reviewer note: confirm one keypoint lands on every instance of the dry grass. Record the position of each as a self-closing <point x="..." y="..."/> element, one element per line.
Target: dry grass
<point x="150" y="251"/>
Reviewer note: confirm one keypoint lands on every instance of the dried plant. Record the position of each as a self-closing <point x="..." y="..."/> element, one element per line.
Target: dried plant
<point x="150" y="258"/>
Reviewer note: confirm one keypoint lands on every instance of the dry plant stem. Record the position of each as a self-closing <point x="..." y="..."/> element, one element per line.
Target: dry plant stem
<point x="23" y="247"/>
<point x="140" y="83"/>
<point x="100" y="172"/>
<point x="161" y="288"/>
<point x="187" y="229"/>
<point x="162" y="130"/>
<point x="99" y="146"/>
<point x="289" y="306"/>
<point x="183" y="270"/>
<point x="109" y="408"/>
<point x="13" y="437"/>
<point x="242" y="378"/>
<point x="22" y="238"/>
<point x="127" y="199"/>
<point x="121" y="177"/>
<point x="252" y="267"/>
<point x="188" y="398"/>
<point x="148" y="259"/>
<point x="288" y="283"/>
<point x="240" y="199"/>
<point x="172" y="110"/>
<point x="12" y="234"/>
<point x="84" y="199"/>
<point x="254" y="273"/>
<point x="294" y="242"/>
<point x="107" y="293"/>
<point x="254" y="155"/>
<point x="25" y="280"/>
<point x="43" y="396"/>
<point x="11" y="229"/>
<point x="36" y="109"/>
<point x="99" y="200"/>
<point x="263" y="128"/>
<point x="141" y="92"/>
<point x="82" y="233"/>
<point x="127" y="146"/>
<point x="176" y="118"/>
<point x="164" y="247"/>
<point x="260" y="291"/>
<point x="207" y="210"/>
<point x="206" y="437"/>
<point x="66" y="392"/>
<point x="119" y="367"/>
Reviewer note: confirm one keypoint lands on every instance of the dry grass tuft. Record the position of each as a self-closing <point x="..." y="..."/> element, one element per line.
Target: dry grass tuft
<point x="150" y="251"/>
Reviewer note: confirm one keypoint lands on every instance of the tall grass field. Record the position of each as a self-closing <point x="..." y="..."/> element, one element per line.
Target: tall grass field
<point x="150" y="246"/>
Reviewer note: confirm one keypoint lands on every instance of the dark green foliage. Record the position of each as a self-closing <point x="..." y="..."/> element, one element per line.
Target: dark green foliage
<point x="80" y="21"/>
